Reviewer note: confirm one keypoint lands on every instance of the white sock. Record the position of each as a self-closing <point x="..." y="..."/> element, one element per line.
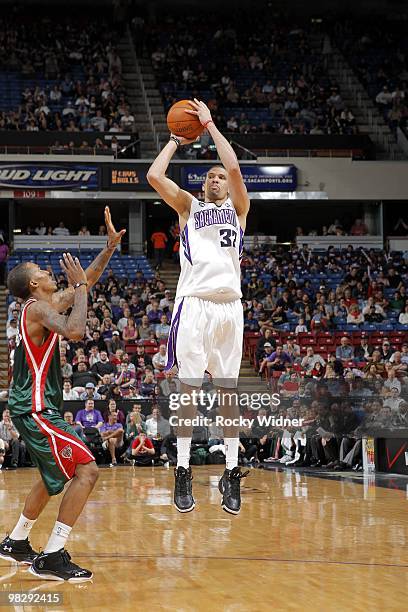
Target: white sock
<point x="22" y="530"/>
<point x="183" y="452"/>
<point x="58" y="537"/>
<point x="231" y="452"/>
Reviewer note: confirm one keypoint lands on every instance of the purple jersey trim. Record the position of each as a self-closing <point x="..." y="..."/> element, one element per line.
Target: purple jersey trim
<point x="186" y="244"/>
<point x="172" y="341"/>
<point x="241" y="242"/>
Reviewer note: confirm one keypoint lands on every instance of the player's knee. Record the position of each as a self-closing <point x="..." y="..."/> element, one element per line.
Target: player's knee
<point x="88" y="473"/>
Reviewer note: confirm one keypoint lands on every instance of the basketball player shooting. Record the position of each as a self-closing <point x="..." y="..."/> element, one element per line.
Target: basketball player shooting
<point x="207" y="324"/>
<point x="36" y="398"/>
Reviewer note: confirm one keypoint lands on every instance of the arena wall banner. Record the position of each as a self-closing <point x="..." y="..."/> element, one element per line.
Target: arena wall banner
<point x="49" y="176"/>
<point x="393" y="455"/>
<point x="126" y="177"/>
<point x="256" y="178"/>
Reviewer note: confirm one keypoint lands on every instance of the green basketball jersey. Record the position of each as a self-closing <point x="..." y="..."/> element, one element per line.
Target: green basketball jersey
<point x="37" y="381"/>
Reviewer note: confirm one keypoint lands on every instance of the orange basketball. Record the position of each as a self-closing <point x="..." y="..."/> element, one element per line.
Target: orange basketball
<point x="181" y="123"/>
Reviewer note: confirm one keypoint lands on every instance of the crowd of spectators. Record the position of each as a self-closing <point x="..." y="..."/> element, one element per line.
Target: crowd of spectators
<point x="303" y="290"/>
<point x="122" y="357"/>
<point x="341" y="364"/>
<point x="60" y="230"/>
<point x="377" y="50"/>
<point x="272" y="78"/>
<point x="336" y="228"/>
<point x="123" y="353"/>
<point x="68" y="74"/>
<point x="326" y="331"/>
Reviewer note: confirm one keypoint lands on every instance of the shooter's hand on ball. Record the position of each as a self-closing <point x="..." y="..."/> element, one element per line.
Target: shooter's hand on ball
<point x="201" y="110"/>
<point x="114" y="237"/>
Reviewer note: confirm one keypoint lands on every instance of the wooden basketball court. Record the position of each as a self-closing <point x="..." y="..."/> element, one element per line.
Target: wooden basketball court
<point x="300" y="543"/>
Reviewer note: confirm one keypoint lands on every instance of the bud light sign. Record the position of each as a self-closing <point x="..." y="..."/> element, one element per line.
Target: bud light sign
<point x="256" y="178"/>
<point x="61" y="176"/>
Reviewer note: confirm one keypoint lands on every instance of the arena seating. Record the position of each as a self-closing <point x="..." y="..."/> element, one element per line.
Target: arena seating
<point x="279" y="85"/>
<point x="121" y="265"/>
<point x="377" y="51"/>
<point x="49" y="85"/>
<point x="269" y="272"/>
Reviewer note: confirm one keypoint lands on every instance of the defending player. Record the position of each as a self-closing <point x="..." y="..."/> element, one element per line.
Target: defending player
<point x="35" y="400"/>
<point x="207" y="324"/>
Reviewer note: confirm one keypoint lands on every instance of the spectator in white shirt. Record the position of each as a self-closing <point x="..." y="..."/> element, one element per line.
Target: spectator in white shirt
<point x="403" y="318"/>
<point x="301" y="327"/>
<point x="378" y="308"/>
<point x="123" y="321"/>
<point x="68" y="109"/>
<point x="166" y="302"/>
<point x="61" y="230"/>
<point x="310" y="359"/>
<point x="391" y="382"/>
<point x="159" y="359"/>
<point x="157" y="426"/>
<point x="99" y="122"/>
<point x="66" y="368"/>
<point x="55" y="94"/>
<point x="68" y="393"/>
<point x="94" y="356"/>
<point x="384" y="97"/>
<point x="82" y="101"/>
<point x="12" y="330"/>
<point x="127" y="121"/>
<point x="395" y="400"/>
<point x="41" y="230"/>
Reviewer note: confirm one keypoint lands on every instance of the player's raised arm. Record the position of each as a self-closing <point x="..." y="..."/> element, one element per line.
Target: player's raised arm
<point x="167" y="189"/>
<point x="73" y="326"/>
<point x="236" y="185"/>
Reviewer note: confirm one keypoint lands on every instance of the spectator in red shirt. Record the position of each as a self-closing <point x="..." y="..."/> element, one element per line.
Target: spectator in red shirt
<point x="159" y="240"/>
<point x="142" y="450"/>
<point x="359" y="228"/>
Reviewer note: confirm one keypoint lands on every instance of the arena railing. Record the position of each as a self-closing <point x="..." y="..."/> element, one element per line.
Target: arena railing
<point x="58" y="242"/>
<point x="322" y="243"/>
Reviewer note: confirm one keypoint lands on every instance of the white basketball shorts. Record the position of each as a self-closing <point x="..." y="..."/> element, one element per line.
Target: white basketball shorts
<point x="206" y="336"/>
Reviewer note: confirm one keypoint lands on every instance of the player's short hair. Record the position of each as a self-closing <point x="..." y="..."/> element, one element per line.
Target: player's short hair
<point x="18" y="281"/>
<point x="216" y="166"/>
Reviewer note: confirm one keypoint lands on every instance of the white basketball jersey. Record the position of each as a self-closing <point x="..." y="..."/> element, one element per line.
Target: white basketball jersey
<point x="210" y="250"/>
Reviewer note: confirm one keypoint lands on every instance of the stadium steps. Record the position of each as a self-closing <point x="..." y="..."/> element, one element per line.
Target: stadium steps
<point x="169" y="274"/>
<point x="248" y="380"/>
<point x="155" y="99"/>
<point x="4" y="361"/>
<point x="133" y="81"/>
<point x="368" y="118"/>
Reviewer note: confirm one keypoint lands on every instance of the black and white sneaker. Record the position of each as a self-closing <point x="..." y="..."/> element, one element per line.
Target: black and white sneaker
<point x="58" y="566"/>
<point x="183" y="493"/>
<point x="230" y="488"/>
<point x="17" y="550"/>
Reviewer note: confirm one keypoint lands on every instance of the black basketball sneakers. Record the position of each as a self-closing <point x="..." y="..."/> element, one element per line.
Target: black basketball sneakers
<point x="230" y="489"/>
<point x="183" y="493"/>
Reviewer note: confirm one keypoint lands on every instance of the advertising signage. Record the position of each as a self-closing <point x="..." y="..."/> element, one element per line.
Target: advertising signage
<point x="128" y="177"/>
<point x="256" y="178"/>
<point x="53" y="176"/>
